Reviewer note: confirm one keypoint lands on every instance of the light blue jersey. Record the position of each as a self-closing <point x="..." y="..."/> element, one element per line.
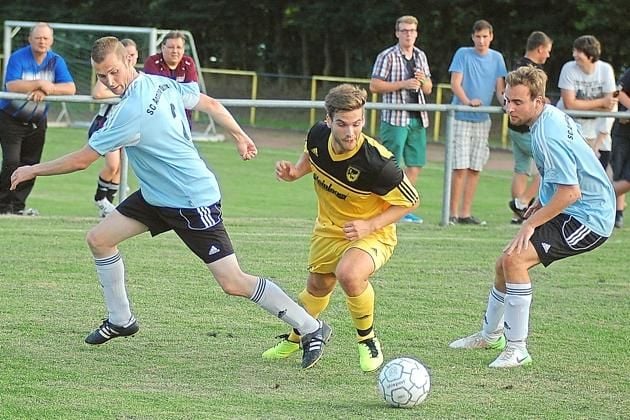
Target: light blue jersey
<point x="564" y="158"/>
<point x="479" y="78"/>
<point x="150" y="123"/>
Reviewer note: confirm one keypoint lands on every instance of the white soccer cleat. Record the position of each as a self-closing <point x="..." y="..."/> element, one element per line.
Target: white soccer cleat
<point x="104" y="207"/>
<point x="476" y="341"/>
<point x="514" y="355"/>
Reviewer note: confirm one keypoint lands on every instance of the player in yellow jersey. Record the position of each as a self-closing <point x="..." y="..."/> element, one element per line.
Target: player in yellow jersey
<point x="361" y="193"/>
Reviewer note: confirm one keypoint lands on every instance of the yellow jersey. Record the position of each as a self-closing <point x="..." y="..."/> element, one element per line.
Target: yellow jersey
<point x="356" y="185"/>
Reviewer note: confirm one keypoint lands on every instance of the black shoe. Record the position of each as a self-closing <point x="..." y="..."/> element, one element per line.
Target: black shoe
<point x="517" y="220"/>
<point x="470" y="220"/>
<point x="107" y="331"/>
<point x="313" y="344"/>
<point x="452" y="220"/>
<point x="517" y="212"/>
<point x="619" y="221"/>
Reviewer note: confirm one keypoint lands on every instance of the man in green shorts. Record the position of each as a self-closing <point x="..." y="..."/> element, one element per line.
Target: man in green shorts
<point x="401" y="74"/>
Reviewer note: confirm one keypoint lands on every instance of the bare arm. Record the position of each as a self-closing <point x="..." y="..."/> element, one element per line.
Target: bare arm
<point x="100" y="91"/>
<point x="624" y="99"/>
<point x="71" y="162"/>
<point x="426" y="85"/>
<point x="357" y="229"/>
<point x="458" y="90"/>
<point x="605" y="103"/>
<point x="500" y="89"/>
<point x="564" y="197"/>
<point x="286" y="171"/>
<point x="212" y="107"/>
<point x="47" y="87"/>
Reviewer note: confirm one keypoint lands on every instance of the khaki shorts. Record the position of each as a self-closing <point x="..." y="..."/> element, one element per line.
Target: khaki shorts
<point x="471" y="149"/>
<point x="325" y="253"/>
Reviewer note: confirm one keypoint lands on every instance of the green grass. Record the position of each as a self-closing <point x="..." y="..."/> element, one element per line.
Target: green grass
<point x="197" y="354"/>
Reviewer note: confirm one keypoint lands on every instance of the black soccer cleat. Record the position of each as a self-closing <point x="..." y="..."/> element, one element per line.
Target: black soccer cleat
<point x="107" y="331"/>
<point x="313" y="344"/>
<point x="520" y="213"/>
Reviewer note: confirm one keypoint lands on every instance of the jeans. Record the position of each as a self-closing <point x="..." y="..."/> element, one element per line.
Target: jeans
<point x="22" y="144"/>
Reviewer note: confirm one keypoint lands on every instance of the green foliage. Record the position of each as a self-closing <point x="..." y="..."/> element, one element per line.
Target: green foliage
<point x="197" y="354"/>
<point x="298" y="37"/>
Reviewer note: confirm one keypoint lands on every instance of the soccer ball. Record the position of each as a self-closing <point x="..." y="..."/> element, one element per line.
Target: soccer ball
<point x="404" y="382"/>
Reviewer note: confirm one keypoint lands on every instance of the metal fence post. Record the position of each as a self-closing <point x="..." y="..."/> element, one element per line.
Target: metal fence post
<point x="448" y="165"/>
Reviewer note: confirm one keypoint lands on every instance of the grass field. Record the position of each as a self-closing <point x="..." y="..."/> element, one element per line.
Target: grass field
<point x="197" y="355"/>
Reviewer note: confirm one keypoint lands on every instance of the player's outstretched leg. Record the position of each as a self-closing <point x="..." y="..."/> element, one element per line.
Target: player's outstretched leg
<point x="313" y="344"/>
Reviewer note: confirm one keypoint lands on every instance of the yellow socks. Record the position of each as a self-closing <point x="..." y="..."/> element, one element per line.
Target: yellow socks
<point x="314" y="305"/>
<point x="362" y="312"/>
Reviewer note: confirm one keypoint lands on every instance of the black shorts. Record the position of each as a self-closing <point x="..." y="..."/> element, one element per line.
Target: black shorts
<point x="562" y="237"/>
<point x="620" y="157"/>
<point x="201" y="228"/>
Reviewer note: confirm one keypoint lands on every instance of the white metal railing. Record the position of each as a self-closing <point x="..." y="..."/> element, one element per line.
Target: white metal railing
<point x="273" y="103"/>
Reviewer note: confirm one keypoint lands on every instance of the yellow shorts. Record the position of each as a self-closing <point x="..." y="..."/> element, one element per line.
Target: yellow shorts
<point x="325" y="253"/>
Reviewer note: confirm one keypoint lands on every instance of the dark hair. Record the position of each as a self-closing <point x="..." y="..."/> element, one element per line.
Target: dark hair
<point x="537" y="39"/>
<point x="589" y="45"/>
<point x="480" y="25"/>
<point x="174" y="35"/>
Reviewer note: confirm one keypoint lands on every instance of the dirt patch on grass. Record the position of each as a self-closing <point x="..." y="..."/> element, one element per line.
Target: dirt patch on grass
<point x="286" y="139"/>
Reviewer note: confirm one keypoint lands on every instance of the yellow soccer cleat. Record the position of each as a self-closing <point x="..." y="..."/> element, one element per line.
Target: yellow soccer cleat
<point x="370" y="354"/>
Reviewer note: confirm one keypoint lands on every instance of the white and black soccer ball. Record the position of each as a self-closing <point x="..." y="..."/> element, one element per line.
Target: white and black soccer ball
<point x="404" y="382"/>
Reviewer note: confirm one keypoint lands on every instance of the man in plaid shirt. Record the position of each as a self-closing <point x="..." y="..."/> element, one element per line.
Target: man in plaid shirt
<point x="401" y="74"/>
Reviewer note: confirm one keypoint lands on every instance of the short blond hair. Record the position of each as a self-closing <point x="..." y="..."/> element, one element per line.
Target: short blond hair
<point x="412" y="20"/>
<point x="105" y="46"/>
<point x="531" y="77"/>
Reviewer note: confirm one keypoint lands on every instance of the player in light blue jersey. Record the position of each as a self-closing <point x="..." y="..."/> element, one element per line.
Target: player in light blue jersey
<point x="574" y="213"/>
<point x="177" y="192"/>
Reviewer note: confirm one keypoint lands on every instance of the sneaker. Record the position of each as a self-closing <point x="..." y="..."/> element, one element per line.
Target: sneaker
<point x="517" y="208"/>
<point x="282" y="350"/>
<point x="411" y="218"/>
<point x="476" y="341"/>
<point x="104" y="207"/>
<point x="27" y="212"/>
<point x="514" y="355"/>
<point x="470" y="220"/>
<point x="107" y="331"/>
<point x="313" y="344"/>
<point x="619" y="221"/>
<point x="452" y="220"/>
<point x="517" y="220"/>
<point x="370" y="354"/>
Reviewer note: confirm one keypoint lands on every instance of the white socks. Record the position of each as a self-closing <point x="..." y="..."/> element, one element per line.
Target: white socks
<point x="493" y="319"/>
<point x="111" y="273"/>
<point x="518" y="299"/>
<point x="270" y="297"/>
